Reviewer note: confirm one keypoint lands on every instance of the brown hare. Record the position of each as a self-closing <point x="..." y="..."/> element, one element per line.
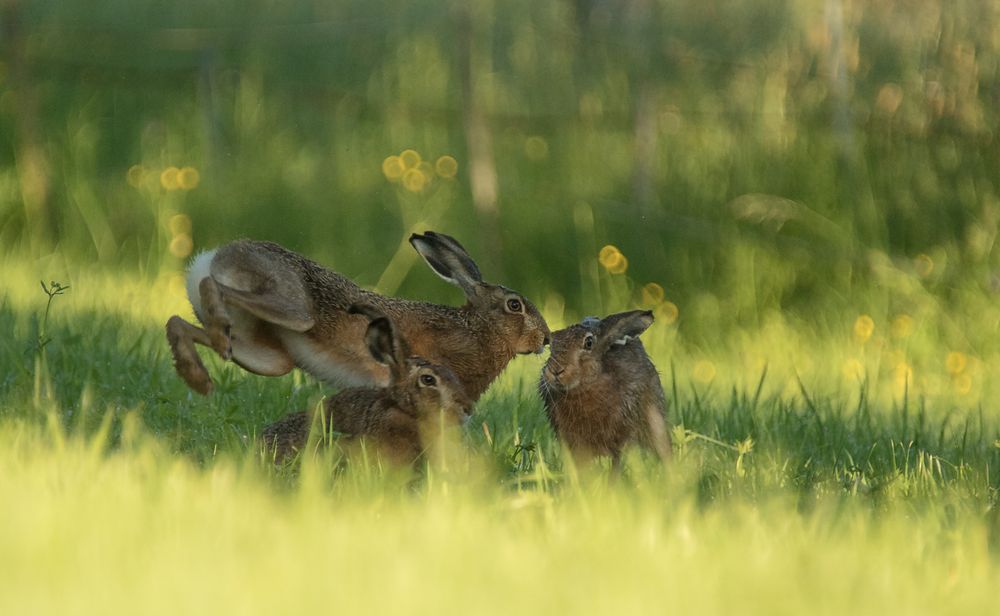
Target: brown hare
<point x="601" y="391"/>
<point x="270" y="309"/>
<point x="400" y="419"/>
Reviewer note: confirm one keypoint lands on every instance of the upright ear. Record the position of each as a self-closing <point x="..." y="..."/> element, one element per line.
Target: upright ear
<point x="383" y="342"/>
<point x="448" y="259"/>
<point x="618" y="328"/>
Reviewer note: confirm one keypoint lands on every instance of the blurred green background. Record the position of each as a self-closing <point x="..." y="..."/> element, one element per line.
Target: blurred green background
<point x="743" y="156"/>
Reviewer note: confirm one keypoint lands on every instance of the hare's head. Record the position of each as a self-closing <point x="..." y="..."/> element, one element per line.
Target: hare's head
<point x="578" y="351"/>
<point x="419" y="387"/>
<point x="516" y="319"/>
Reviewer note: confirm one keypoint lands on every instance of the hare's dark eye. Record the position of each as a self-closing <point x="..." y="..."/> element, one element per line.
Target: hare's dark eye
<point x="428" y="380"/>
<point x="514" y="305"/>
<point x="588" y="342"/>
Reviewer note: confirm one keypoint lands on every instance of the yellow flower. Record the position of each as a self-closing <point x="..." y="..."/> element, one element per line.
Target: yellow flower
<point x="179" y="224"/>
<point x="169" y="178"/>
<point x="955" y="362"/>
<point x="652" y="294"/>
<point x="181" y="245"/>
<point x="962" y="383"/>
<point x="414" y="180"/>
<point x="410" y="158"/>
<point x="667" y="312"/>
<point x="613" y="260"/>
<point x="393" y="168"/>
<point x="864" y="326"/>
<point x="188" y="178"/>
<point x="902" y="326"/>
<point x="446" y="166"/>
<point x="704" y="371"/>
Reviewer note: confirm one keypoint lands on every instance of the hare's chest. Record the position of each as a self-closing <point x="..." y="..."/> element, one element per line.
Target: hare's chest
<point x="592" y="421"/>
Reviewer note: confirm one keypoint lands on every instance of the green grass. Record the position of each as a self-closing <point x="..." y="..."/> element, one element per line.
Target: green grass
<point x="124" y="492"/>
<point x="804" y="192"/>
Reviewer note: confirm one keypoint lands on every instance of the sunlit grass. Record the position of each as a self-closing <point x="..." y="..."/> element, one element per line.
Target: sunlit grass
<point x="124" y="492"/>
<point x="139" y="529"/>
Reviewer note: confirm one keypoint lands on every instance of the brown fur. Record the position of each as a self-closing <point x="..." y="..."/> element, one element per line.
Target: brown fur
<point x="270" y="309"/>
<point x="399" y="420"/>
<point x="602" y="399"/>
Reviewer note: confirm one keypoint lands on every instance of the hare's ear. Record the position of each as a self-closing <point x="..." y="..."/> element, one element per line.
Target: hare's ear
<point x="618" y="328"/>
<point x="383" y="342"/>
<point x="385" y="347"/>
<point x="448" y="259"/>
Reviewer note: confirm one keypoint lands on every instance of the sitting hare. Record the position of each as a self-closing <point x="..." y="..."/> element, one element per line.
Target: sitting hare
<point x="601" y="391"/>
<point x="270" y="309"/>
<point x="399" y="419"/>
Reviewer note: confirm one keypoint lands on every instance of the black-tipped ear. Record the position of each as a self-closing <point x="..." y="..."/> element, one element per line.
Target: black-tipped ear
<point x="385" y="345"/>
<point x="378" y="338"/>
<point x="618" y="328"/>
<point x="448" y="259"/>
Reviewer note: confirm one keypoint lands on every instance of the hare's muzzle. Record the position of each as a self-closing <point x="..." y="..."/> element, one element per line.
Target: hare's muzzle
<point x="551" y="374"/>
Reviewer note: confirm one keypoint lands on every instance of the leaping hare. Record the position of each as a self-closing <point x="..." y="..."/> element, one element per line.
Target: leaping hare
<point x="270" y="309"/>
<point x="601" y="391"/>
<point x="400" y="419"/>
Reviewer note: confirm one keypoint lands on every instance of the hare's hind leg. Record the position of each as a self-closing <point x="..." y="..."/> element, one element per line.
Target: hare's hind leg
<point x="182" y="337"/>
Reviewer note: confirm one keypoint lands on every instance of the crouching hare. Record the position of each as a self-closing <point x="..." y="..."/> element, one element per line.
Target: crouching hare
<point x="270" y="309"/>
<point x="602" y="392"/>
<point x="401" y="420"/>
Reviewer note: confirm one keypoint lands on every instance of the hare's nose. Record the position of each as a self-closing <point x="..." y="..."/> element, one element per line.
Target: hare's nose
<point x="557" y="370"/>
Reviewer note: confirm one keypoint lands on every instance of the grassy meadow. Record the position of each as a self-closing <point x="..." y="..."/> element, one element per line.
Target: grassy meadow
<point x="805" y="193"/>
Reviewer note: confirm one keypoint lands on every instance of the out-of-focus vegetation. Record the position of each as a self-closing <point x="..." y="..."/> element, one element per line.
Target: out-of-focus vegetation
<point x="762" y="154"/>
<point x="806" y="193"/>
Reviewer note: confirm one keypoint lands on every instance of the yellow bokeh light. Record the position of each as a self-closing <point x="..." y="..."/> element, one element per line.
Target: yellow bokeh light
<point x="169" y="178"/>
<point x="409" y="158"/>
<point x="955" y="362"/>
<point x="179" y="224"/>
<point x="864" y="327"/>
<point x="652" y="294"/>
<point x="613" y="260"/>
<point x="446" y="166"/>
<point x="667" y="312"/>
<point x="962" y="383"/>
<point x="853" y="370"/>
<point x="188" y="178"/>
<point x="181" y="246"/>
<point x="607" y="254"/>
<point x="536" y="148"/>
<point x="427" y="170"/>
<point x="414" y="180"/>
<point x="923" y="265"/>
<point x="903" y="376"/>
<point x="704" y="371"/>
<point x="620" y="266"/>
<point x="135" y="175"/>
<point x="902" y="326"/>
<point x="393" y="168"/>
